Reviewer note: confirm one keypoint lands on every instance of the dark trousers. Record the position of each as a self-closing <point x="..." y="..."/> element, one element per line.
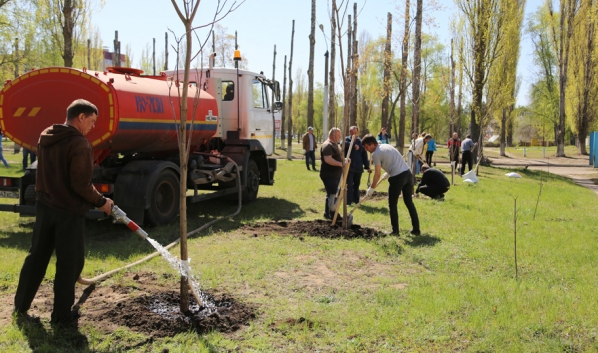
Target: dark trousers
<point x="353" y="182"/>
<point x="310" y="155"/>
<point x="331" y="185"/>
<point x="466" y="158"/>
<point x="397" y="184"/>
<point x="28" y="154"/>
<point x="429" y="157"/>
<point x="63" y="232"/>
<point x="433" y="191"/>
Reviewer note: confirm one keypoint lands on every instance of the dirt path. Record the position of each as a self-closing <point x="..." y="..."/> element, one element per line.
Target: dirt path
<point x="574" y="167"/>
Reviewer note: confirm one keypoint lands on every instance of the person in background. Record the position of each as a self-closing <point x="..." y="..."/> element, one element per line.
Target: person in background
<point x="430" y="151"/>
<point x="433" y="184"/>
<point x="27" y="154"/>
<point x="467" y="146"/>
<point x="388" y="158"/>
<point x="64" y="195"/>
<point x="383" y="136"/>
<point x="1" y="152"/>
<point x="309" y="148"/>
<point x="454" y="145"/>
<point x="419" y="151"/>
<point x="359" y="161"/>
<point x="331" y="168"/>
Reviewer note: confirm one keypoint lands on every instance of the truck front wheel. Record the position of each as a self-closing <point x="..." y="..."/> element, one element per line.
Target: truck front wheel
<point x="164" y="198"/>
<point x="252" y="183"/>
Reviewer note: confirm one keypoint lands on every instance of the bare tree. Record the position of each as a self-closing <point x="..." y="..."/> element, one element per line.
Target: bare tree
<point x="310" y="70"/>
<point x="186" y="13"/>
<point x="386" y="77"/>
<point x="331" y="97"/>
<point x="417" y="58"/>
<point x="290" y="106"/>
<point x="403" y="80"/>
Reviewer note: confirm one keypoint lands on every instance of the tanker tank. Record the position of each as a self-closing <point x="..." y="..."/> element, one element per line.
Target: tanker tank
<point x="136" y="113"/>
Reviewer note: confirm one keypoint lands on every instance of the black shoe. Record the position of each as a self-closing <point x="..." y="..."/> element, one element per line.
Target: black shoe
<point x="308" y="168"/>
<point x="71" y="322"/>
<point x="393" y="233"/>
<point x="315" y="170"/>
<point x="415" y="232"/>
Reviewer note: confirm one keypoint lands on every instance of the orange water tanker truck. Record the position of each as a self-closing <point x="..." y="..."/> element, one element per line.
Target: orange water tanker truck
<point x="135" y="141"/>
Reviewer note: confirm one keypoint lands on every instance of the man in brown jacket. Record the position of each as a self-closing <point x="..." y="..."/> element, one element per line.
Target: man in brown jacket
<point x="309" y="148"/>
<point x="64" y="195"/>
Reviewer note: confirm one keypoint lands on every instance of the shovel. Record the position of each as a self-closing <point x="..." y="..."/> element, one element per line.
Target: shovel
<point x="350" y="216"/>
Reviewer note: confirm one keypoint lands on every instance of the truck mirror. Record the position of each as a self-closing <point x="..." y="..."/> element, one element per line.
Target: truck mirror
<point x="277" y="106"/>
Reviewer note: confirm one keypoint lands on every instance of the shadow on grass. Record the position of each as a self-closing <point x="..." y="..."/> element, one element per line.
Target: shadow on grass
<point x="58" y="339"/>
<point x="422" y="240"/>
<point x="106" y="239"/>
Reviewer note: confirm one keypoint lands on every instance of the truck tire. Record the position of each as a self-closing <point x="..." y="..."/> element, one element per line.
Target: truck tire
<point x="164" y="199"/>
<point x="30" y="195"/>
<point x="252" y="183"/>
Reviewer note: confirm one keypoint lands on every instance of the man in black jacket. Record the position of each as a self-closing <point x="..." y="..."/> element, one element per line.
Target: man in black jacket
<point x="433" y="184"/>
<point x="64" y="195"/>
<point x="359" y="161"/>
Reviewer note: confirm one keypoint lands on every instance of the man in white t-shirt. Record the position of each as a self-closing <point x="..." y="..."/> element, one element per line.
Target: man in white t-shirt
<point x="400" y="180"/>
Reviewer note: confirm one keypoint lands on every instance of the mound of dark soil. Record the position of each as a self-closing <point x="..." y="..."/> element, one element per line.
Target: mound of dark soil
<point x="158" y="314"/>
<point x="316" y="228"/>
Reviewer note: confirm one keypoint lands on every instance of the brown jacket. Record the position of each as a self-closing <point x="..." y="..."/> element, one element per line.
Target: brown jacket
<point x="64" y="170"/>
<point x="306" y="142"/>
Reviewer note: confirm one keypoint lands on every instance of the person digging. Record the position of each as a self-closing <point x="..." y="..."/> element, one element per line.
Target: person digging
<point x="400" y="180"/>
<point x="434" y="183"/>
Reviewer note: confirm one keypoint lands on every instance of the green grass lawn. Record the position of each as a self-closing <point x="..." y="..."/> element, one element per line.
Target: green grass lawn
<point x="451" y="289"/>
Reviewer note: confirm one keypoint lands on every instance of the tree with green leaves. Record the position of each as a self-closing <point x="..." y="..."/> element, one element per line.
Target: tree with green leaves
<point x="561" y="39"/>
<point x="483" y="45"/>
<point x="582" y="89"/>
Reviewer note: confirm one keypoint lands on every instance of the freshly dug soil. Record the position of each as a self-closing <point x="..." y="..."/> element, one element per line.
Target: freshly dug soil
<point x="149" y="304"/>
<point x="316" y="228"/>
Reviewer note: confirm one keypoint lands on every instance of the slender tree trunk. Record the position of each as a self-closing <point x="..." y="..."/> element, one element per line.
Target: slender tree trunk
<point x="452" y="93"/>
<point x="403" y="81"/>
<point x="332" y="98"/>
<point x="284" y="104"/>
<point x="355" y="73"/>
<point x="290" y="130"/>
<point x="310" y="70"/>
<point x="503" y="132"/>
<point x="67" y="32"/>
<point x="348" y="80"/>
<point x="386" y="78"/>
<point x="417" y="58"/>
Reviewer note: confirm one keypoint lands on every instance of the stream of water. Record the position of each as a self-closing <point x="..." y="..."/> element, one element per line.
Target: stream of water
<point x="176" y="264"/>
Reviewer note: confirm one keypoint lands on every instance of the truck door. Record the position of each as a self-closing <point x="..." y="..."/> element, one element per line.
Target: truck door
<point x="260" y="127"/>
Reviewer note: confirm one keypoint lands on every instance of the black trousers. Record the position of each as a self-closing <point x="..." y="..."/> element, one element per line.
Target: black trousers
<point x="353" y="182"/>
<point x="433" y="191"/>
<point x="63" y="232"/>
<point x="466" y="158"/>
<point x="397" y="184"/>
<point x="310" y="155"/>
<point x="429" y="157"/>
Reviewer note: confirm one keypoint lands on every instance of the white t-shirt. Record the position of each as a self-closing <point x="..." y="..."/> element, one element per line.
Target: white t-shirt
<point x="389" y="159"/>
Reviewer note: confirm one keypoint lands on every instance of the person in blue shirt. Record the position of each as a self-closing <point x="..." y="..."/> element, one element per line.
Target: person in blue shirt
<point x="383" y="137"/>
<point x="430" y="151"/>
<point x="359" y="161"/>
<point x="1" y="154"/>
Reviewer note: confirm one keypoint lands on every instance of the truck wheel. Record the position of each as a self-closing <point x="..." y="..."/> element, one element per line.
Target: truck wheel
<point x="30" y="195"/>
<point x="252" y="184"/>
<point x="164" y="199"/>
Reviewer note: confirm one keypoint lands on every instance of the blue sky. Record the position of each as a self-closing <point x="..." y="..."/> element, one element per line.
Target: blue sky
<point x="261" y="24"/>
